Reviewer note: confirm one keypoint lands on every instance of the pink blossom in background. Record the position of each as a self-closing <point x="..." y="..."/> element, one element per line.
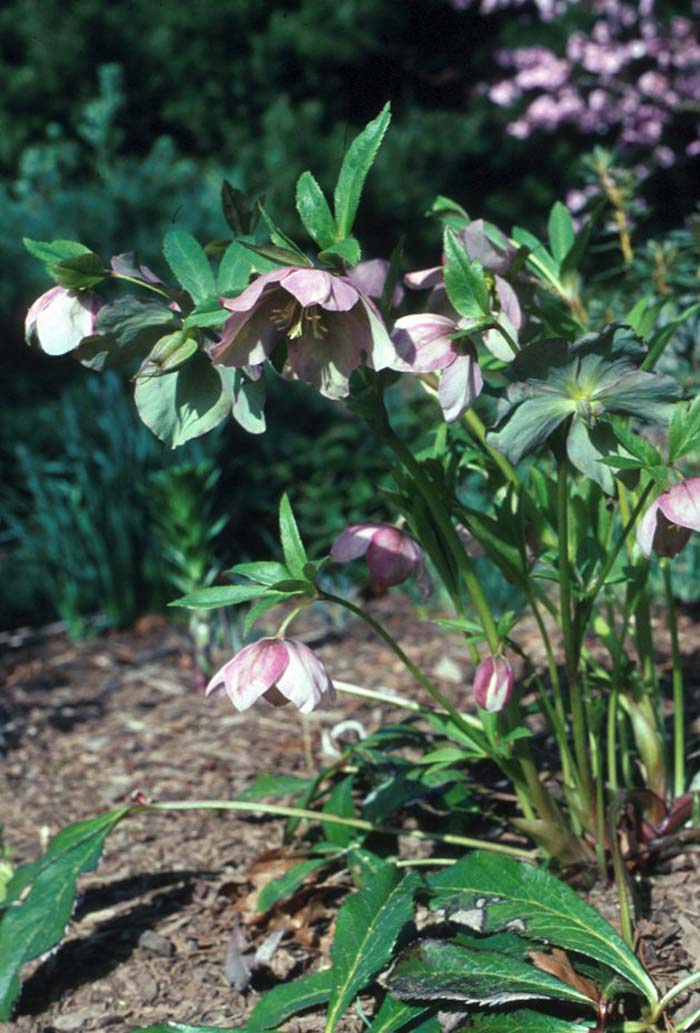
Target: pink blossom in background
<point x="666" y="526"/>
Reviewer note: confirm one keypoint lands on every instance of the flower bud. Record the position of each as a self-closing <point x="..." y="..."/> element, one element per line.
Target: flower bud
<point x="392" y="555"/>
<point x="493" y="683"/>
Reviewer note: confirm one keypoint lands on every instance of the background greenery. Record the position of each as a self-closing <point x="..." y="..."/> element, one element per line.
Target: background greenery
<point x="118" y="122"/>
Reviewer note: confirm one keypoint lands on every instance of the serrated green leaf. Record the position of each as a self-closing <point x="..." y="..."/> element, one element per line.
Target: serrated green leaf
<point x="530" y="424"/>
<point x="394" y="1015"/>
<point x="236" y="208"/>
<point x="289" y="998"/>
<point x="187" y="403"/>
<point x="286" y="885"/>
<point x="366" y="930"/>
<point x="189" y="264"/>
<point x="79" y="272"/>
<point x="126" y="330"/>
<point x="54" y="250"/>
<point x="292" y="546"/>
<point x="341" y="804"/>
<point x="539" y="258"/>
<point x="207" y="313"/>
<point x="524" y="1021"/>
<point x="357" y="162"/>
<point x="560" y="230"/>
<point x="235" y="269"/>
<point x="265" y="785"/>
<point x="265" y="572"/>
<point x="221" y="595"/>
<point x="273" y="254"/>
<point x="439" y="970"/>
<point x="465" y="282"/>
<point x="314" y="211"/>
<point x="40" y="898"/>
<point x="684" y="429"/>
<point x="496" y="892"/>
<point x="348" y="251"/>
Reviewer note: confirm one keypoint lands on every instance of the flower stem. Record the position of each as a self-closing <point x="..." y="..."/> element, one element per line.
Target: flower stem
<point x="675" y="991"/>
<point x="279" y="810"/>
<point x="678" y="695"/>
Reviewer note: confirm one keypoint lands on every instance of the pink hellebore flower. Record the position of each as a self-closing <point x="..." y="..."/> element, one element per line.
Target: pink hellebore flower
<point x="493" y="683"/>
<point x="282" y="670"/>
<point x="60" y="319"/>
<point x="425" y="344"/>
<point x="665" y="527"/>
<point x="327" y="323"/>
<point x="392" y="556"/>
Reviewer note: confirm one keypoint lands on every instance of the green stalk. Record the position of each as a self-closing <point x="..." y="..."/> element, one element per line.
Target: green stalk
<point x="279" y="810"/>
<point x="620" y="875"/>
<point x="141" y="283"/>
<point x="565" y="603"/>
<point x="479" y="431"/>
<point x="675" y="991"/>
<point x="678" y="694"/>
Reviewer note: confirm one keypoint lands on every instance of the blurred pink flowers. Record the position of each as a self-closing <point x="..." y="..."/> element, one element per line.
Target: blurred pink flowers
<point x="425" y="344"/>
<point x="392" y="556"/>
<point x="665" y="527"/>
<point x="493" y="683"/>
<point x="60" y="319"/>
<point x="326" y="322"/>
<point x="281" y="670"/>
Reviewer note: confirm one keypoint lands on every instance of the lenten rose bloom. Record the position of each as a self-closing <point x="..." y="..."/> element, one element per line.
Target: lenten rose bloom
<point x="493" y="683"/>
<point x="425" y="344"/>
<point x="327" y="324"/>
<point x="392" y="556"/>
<point x="60" y="319"/>
<point x="279" y="669"/>
<point x="665" y="527"/>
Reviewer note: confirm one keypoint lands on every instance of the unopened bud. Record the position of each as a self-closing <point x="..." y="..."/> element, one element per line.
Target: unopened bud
<point x="493" y="683"/>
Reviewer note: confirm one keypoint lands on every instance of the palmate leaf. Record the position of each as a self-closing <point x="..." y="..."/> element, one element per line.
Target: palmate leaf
<point x="492" y="892"/>
<point x="367" y="928"/>
<point x="437" y="970"/>
<point x="41" y="895"/>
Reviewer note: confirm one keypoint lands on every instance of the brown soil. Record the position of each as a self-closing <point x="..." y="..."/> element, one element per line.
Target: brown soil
<point x="87" y="725"/>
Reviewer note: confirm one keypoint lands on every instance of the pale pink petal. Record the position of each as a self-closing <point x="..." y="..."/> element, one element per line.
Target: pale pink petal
<point x="251" y="672"/>
<point x="424" y="343"/>
<point x="423" y="279"/>
<point x="38" y="306"/>
<point x="494" y="257"/>
<point x="64" y="320"/>
<point x="510" y="306"/>
<point x="248" y="298"/>
<point x="681" y="504"/>
<point x="459" y="387"/>
<point x="308" y="286"/>
<point x="327" y="359"/>
<point x="343" y="295"/>
<point x="646" y="529"/>
<point x="305" y="680"/>
<point x="493" y="683"/>
<point x="248" y="337"/>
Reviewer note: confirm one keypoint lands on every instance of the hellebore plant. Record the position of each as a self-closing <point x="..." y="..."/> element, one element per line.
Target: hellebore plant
<point x="570" y="433"/>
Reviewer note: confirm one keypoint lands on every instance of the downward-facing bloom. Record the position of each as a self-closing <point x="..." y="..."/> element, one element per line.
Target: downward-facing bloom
<point x="279" y="669"/>
<point x="665" y="527"/>
<point x="425" y="344"/>
<point x="326" y="322"/>
<point x="392" y="556"/>
<point x="493" y="683"/>
<point x="60" y="319"/>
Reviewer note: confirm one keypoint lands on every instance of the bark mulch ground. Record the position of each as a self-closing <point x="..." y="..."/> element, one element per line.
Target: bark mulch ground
<point x="88" y="724"/>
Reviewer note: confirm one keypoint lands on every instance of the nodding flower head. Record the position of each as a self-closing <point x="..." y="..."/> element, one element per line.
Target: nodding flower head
<point x="280" y="670"/>
<point x="327" y="324"/>
<point x="493" y="683"/>
<point x="666" y="526"/>
<point x="392" y="556"/>
<point x="60" y="319"/>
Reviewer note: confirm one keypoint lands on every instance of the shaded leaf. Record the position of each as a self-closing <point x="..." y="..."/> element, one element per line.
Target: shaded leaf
<point x="54" y="250"/>
<point x="207" y="313"/>
<point x="394" y="1015"/>
<point x="289" y="998"/>
<point x="348" y="251"/>
<point x="314" y="211"/>
<point x="84" y="270"/>
<point x="500" y="893"/>
<point x="41" y="895"/>
<point x="286" y="885"/>
<point x="366" y="930"/>
<point x="436" y="970"/>
<point x="265" y="785"/>
<point x="187" y="403"/>
<point x="220" y="595"/>
<point x="560" y="230"/>
<point x="523" y="1021"/>
<point x="340" y="803"/>
<point x="189" y="264"/>
<point x="465" y="281"/>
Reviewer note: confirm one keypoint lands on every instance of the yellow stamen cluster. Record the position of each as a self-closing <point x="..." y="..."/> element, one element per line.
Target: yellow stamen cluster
<point x="291" y="319"/>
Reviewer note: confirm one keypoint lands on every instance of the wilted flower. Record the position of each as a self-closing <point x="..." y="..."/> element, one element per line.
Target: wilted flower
<point x="326" y="322"/>
<point x="493" y="683"/>
<point x="392" y="556"/>
<point x="425" y="344"/>
<point x="60" y="319"/>
<point x="665" y="527"/>
<point x="282" y="670"/>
